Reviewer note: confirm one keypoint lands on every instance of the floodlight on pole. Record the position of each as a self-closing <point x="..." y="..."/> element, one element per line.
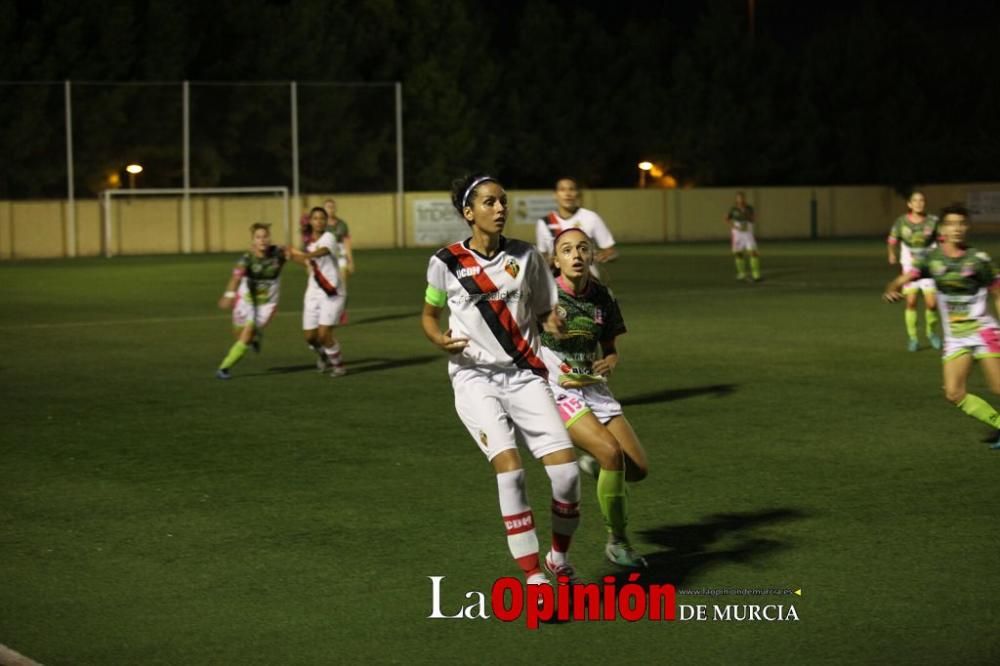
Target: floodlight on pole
<point x="644" y="168"/>
<point x="133" y="170"/>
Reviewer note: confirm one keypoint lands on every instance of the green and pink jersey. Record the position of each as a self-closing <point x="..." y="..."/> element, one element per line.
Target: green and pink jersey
<point x="914" y="238"/>
<point x="591" y="318"/>
<point x="741" y="218"/>
<point x="963" y="283"/>
<point x="260" y="276"/>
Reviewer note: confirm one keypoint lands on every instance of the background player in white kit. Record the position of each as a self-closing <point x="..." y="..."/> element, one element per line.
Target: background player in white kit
<point x="499" y="292"/>
<point x="570" y="215"/>
<point x="325" y="296"/>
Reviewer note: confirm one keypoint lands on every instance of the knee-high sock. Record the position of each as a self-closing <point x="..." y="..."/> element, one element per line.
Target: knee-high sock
<point x="613" y="500"/>
<point x="333" y="355"/>
<point x="910" y="317"/>
<point x="931" y="316"/>
<point x="755" y="266"/>
<point x="978" y="408"/>
<point x="741" y="267"/>
<point x="518" y="521"/>
<point x="565" y="480"/>
<point x="236" y="352"/>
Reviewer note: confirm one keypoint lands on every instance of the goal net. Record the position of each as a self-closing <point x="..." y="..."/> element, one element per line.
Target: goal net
<point x="199" y="219"/>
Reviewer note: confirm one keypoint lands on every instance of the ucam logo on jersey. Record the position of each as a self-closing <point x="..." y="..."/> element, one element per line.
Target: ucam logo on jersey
<point x="468" y="272"/>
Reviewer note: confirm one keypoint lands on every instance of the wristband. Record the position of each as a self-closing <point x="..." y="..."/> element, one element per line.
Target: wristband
<point x="229" y="294"/>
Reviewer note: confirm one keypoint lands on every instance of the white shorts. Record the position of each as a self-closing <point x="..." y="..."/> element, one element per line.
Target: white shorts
<point x="743" y="240"/>
<point x="495" y="404"/>
<point x="318" y="309"/>
<point x="923" y="284"/>
<point x="984" y="343"/>
<point x="243" y="313"/>
<point x="595" y="398"/>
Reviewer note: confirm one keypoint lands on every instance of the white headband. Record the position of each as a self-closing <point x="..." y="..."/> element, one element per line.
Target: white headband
<point x="476" y="183"/>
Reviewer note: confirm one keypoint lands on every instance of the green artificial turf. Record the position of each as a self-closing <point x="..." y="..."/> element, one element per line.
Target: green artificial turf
<point x="151" y="514"/>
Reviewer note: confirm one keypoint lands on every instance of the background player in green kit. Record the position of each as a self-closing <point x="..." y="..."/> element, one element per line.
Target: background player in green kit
<point x="915" y="233"/>
<point x="579" y="363"/>
<point x="257" y="274"/>
<point x="740" y="219"/>
<point x="963" y="276"/>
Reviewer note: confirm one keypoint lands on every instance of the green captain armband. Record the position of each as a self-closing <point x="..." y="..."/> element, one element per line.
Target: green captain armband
<point x="435" y="296"/>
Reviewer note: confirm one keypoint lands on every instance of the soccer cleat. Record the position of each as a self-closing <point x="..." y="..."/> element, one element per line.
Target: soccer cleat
<point x="222" y="374"/>
<point x="622" y="554"/>
<point x="557" y="570"/>
<point x="741" y="278"/>
<point x="935" y="340"/>
<point x="537" y="578"/>
<point x="912" y="345"/>
<point x="322" y="365"/>
<point x="337" y="371"/>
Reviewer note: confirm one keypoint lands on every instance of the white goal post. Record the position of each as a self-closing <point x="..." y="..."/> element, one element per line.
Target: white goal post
<point x="186" y="221"/>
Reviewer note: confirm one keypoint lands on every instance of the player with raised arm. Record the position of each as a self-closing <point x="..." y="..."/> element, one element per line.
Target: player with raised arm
<point x="324" y="299"/>
<point x="740" y="218"/>
<point x="499" y="293"/>
<point x="252" y="292"/>
<point x="569" y="214"/>
<point x="915" y="233"/>
<point x="579" y="364"/>
<point x="964" y="277"/>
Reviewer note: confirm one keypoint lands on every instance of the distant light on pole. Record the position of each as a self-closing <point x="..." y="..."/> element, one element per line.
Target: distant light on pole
<point x="644" y="168"/>
<point x="133" y="170"/>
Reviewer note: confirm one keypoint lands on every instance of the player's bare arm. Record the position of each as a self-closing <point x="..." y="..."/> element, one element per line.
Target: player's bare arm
<point x="606" y="365"/>
<point x="432" y="329"/>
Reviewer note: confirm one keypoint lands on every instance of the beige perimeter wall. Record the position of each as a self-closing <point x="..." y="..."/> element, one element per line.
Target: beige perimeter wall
<point x="148" y="225"/>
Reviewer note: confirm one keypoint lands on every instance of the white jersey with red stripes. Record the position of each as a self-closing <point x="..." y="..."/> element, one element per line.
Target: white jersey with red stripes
<point x="584" y="219"/>
<point x="495" y="302"/>
<point x="324" y="274"/>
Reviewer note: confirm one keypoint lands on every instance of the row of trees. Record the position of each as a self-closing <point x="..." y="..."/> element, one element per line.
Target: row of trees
<point x="887" y="93"/>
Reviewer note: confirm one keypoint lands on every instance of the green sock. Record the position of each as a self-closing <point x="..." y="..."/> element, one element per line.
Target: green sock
<point x="235" y="354"/>
<point x="910" y="316"/>
<point x="932" y="319"/>
<point x="612" y="498"/>
<point x="741" y="269"/>
<point x="978" y="408"/>
<point x="755" y="267"/>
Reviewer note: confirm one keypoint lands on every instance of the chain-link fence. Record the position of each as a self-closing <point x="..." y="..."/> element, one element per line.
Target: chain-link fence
<point x="64" y="139"/>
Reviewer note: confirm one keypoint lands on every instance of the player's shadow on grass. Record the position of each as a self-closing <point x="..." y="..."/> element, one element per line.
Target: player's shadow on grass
<point x="669" y="395"/>
<point x="381" y="318"/>
<point x="355" y="366"/>
<point x="682" y="551"/>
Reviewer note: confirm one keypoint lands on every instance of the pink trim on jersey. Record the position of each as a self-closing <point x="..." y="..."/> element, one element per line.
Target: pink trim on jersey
<point x="892" y="240"/>
<point x="568" y="288"/>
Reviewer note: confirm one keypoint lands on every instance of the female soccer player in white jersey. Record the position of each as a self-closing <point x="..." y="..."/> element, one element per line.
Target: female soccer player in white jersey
<point x="570" y="215"/>
<point x="325" y="296"/>
<point x="916" y="233"/>
<point x="499" y="292"/>
<point x="964" y="277"/>
<point x="257" y="275"/>
<point x="578" y="375"/>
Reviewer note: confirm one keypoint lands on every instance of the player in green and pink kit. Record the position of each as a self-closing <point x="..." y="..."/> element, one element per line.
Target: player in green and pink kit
<point x="257" y="275"/>
<point x="964" y="277"/>
<point x="579" y="363"/>
<point x="915" y="233"/>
